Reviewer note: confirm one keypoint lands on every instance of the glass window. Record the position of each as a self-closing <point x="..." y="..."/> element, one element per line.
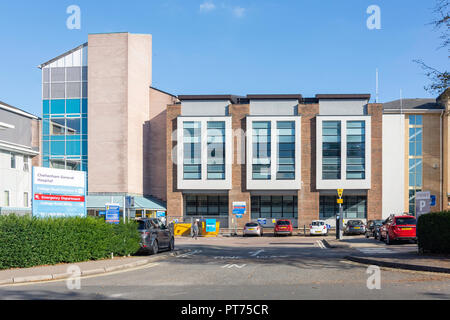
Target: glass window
<point x="356" y="153"/>
<point x="216" y="150"/>
<point x="286" y="150"/>
<point x="73" y="126"/>
<point x="331" y="150"/>
<point x="57" y="127"/>
<point x="261" y="150"/>
<point x="73" y="89"/>
<point x="205" y="205"/>
<point x="57" y="164"/>
<point x="13" y="161"/>
<point x="58" y="91"/>
<point x="73" y="74"/>
<point x="354" y="207"/>
<point x="6" y="198"/>
<point x="25" y="199"/>
<point x="58" y="74"/>
<point x="192" y="150"/>
<point x="277" y="207"/>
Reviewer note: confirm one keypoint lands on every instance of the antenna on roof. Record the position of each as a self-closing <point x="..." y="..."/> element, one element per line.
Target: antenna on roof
<point x="377" y="92"/>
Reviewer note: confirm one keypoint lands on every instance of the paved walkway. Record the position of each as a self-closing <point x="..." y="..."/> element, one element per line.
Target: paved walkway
<point x="61" y="271"/>
<point x="401" y="256"/>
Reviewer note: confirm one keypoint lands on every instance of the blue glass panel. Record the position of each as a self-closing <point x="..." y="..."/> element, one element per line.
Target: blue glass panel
<point x="46" y="107"/>
<point x="46" y="127"/>
<point x="57" y="138"/>
<point x="46" y="164"/>
<point x="74" y="137"/>
<point x="46" y="148"/>
<point x="84" y="126"/>
<point x="57" y="148"/>
<point x="419" y="120"/>
<point x="73" y="106"/>
<point x="73" y="147"/>
<point x="84" y="105"/>
<point x="58" y="106"/>
<point x="84" y="144"/>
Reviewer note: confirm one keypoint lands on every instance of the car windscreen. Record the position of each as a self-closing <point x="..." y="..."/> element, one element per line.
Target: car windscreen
<point x="251" y="224"/>
<point x="283" y="223"/>
<point x="404" y="221"/>
<point x="141" y="225"/>
<point x="354" y="223"/>
<point x="317" y="223"/>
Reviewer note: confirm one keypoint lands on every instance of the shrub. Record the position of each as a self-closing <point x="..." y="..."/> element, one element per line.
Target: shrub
<point x="433" y="232"/>
<point x="27" y="242"/>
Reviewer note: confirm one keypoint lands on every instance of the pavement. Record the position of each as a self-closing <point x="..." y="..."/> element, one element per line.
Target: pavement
<point x="400" y="256"/>
<point x="88" y="268"/>
<point x="238" y="268"/>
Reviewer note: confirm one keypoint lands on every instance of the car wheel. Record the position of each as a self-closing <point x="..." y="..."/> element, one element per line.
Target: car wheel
<point x="155" y="247"/>
<point x="172" y="244"/>
<point x="367" y="236"/>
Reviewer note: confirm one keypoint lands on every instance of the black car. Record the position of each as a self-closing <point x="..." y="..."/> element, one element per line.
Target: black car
<point x="373" y="227"/>
<point x="155" y="235"/>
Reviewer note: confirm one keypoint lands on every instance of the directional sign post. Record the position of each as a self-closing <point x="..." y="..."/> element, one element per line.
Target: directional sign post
<point x="340" y="217"/>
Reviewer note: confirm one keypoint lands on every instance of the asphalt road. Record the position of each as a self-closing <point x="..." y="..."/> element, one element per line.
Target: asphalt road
<point x="247" y="269"/>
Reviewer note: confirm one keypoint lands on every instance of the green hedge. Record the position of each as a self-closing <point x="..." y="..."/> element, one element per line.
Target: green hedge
<point x="27" y="242"/>
<point x="433" y="232"/>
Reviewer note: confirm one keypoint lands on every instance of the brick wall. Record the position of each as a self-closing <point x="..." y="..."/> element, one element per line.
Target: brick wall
<point x="308" y="196"/>
<point x="374" y="195"/>
<point x="174" y="196"/>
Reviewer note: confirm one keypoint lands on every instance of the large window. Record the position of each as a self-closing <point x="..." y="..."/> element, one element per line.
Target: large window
<point x="6" y="199"/>
<point x="276" y="207"/>
<point x="206" y="205"/>
<point x="192" y="150"/>
<point x="216" y="150"/>
<point x="355" y="207"/>
<point x="286" y="150"/>
<point x="331" y="150"/>
<point x="261" y="150"/>
<point x="415" y="159"/>
<point x="356" y="149"/>
<point x="13" y="161"/>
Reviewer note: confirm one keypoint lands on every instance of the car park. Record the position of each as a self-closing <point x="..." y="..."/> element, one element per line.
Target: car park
<point x="253" y="229"/>
<point x="355" y="227"/>
<point x="155" y="236"/>
<point x="372" y="228"/>
<point x="283" y="227"/>
<point x="397" y="228"/>
<point x="318" y="227"/>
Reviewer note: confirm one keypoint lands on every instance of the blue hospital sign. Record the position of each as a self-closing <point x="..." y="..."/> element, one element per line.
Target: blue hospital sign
<point x="58" y="193"/>
<point x="239" y="208"/>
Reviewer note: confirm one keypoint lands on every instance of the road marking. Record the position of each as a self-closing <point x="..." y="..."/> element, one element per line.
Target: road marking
<point x="270" y="257"/>
<point x="225" y="257"/>
<point x="321" y="245"/>
<point x="255" y="253"/>
<point x="229" y="266"/>
<point x="374" y="250"/>
<point x="184" y="255"/>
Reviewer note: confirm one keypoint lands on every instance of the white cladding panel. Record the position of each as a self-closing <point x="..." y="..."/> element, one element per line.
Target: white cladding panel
<point x="393" y="164"/>
<point x="349" y="107"/>
<point x="273" y="107"/>
<point x="197" y="108"/>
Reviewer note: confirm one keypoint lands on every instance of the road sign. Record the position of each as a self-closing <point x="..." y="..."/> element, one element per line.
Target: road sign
<point x="422" y="206"/>
<point x="112" y="213"/>
<point x="239" y="216"/>
<point x="160" y="214"/>
<point x="262" y="221"/>
<point x="340" y="192"/>
<point x="239" y="208"/>
<point x="433" y="200"/>
<point x="340" y="201"/>
<point x="211" y="225"/>
<point x="423" y="195"/>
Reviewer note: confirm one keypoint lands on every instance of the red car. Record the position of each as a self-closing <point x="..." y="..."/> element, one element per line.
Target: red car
<point x="398" y="228"/>
<point x="283" y="226"/>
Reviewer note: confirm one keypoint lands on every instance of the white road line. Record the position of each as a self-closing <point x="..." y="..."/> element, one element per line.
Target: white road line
<point x="321" y="245"/>
<point x="229" y="266"/>
<point x="255" y="253"/>
<point x="184" y="255"/>
<point x="374" y="250"/>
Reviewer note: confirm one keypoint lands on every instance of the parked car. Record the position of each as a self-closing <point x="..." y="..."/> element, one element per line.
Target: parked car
<point x="318" y="227"/>
<point x="354" y="227"/>
<point x="372" y="228"/>
<point x="253" y="229"/>
<point x="155" y="235"/>
<point x="283" y="226"/>
<point x="398" y="228"/>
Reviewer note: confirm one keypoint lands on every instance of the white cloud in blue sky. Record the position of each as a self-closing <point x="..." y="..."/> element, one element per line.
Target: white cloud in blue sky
<point x="207" y="6"/>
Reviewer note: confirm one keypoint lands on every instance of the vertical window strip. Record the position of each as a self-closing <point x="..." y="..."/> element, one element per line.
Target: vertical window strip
<point x="331" y="150"/>
<point x="261" y="150"/>
<point x="356" y="150"/>
<point x="216" y="150"/>
<point x="286" y="150"/>
<point x="192" y="144"/>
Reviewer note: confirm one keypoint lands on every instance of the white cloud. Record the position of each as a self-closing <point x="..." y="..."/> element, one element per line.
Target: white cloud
<point x="238" y="12"/>
<point x="207" y="6"/>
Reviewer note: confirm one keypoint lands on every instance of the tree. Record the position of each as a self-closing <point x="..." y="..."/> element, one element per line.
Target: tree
<point x="439" y="79"/>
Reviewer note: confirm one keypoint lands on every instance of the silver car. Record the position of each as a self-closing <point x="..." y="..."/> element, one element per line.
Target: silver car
<point x="253" y="229"/>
